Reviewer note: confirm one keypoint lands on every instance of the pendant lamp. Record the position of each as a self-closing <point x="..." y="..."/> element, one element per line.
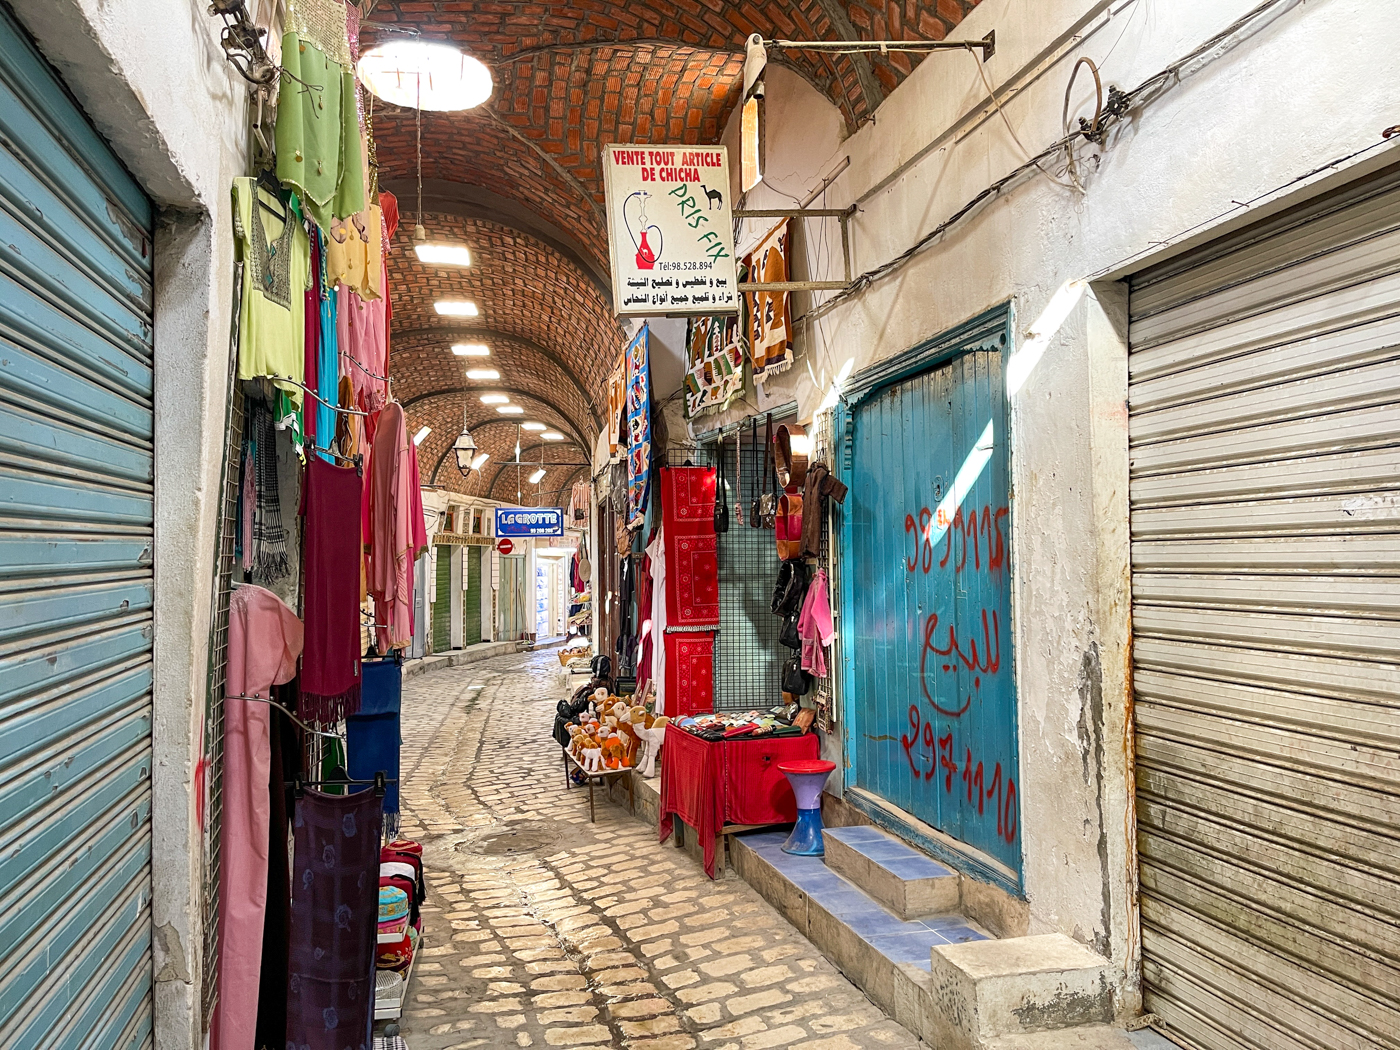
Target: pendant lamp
<point x="464" y="448"/>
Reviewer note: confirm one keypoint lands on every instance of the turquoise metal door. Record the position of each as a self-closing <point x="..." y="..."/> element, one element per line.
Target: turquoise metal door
<point x="932" y="703"/>
<point x="76" y="588"/>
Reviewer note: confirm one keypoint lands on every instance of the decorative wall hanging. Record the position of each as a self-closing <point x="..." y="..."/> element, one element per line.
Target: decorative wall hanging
<point x="770" y="329"/>
<point x="638" y="436"/>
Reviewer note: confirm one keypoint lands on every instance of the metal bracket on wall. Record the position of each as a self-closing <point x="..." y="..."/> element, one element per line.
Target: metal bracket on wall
<point x="988" y="45"/>
<point x="842" y="214"/>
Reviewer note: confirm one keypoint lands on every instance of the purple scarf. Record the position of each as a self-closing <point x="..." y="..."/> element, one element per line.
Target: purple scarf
<point x="335" y="915"/>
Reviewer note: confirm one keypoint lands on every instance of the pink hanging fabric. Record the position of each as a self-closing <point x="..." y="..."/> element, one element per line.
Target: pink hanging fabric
<point x="814" y="626"/>
<point x="264" y="641"/>
<point x="362" y="332"/>
<point x="396" y="528"/>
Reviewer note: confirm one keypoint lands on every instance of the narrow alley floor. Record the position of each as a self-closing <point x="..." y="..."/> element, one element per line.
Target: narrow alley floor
<point x="542" y="929"/>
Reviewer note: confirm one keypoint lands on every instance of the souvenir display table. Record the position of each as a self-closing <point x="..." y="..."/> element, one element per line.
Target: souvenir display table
<point x="572" y="765"/>
<point x="720" y="786"/>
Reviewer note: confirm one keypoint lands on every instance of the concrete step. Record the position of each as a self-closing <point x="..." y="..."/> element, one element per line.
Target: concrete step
<point x="907" y="882"/>
<point x="944" y="978"/>
<point x="994" y="989"/>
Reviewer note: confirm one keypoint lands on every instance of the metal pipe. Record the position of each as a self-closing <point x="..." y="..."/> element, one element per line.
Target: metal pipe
<point x="988" y="44"/>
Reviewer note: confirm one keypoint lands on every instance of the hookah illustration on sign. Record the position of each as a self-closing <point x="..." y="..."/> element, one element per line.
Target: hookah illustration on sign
<point x="646" y="255"/>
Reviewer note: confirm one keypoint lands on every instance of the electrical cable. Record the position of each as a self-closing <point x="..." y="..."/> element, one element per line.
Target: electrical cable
<point x="991" y="91"/>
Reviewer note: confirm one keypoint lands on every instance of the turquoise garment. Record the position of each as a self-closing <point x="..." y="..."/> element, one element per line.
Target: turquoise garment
<point x="328" y="367"/>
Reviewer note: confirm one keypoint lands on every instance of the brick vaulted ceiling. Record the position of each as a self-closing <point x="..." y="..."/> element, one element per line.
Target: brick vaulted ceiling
<point x="519" y="180"/>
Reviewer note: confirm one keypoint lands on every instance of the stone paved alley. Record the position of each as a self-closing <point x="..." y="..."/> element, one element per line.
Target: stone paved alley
<point x="599" y="936"/>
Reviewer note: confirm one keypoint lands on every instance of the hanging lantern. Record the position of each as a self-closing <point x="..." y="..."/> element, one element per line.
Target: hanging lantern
<point x="465" y="449"/>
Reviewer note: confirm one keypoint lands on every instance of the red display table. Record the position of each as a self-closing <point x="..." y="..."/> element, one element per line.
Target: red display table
<point x="716" y="784"/>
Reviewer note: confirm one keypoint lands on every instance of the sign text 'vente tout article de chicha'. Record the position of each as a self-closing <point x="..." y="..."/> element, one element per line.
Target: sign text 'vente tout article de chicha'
<point x="670" y="231"/>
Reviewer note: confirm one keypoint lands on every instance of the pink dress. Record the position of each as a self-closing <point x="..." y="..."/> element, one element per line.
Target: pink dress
<point x="396" y="528"/>
<point x="814" y="626"/>
<point x="264" y="641"/>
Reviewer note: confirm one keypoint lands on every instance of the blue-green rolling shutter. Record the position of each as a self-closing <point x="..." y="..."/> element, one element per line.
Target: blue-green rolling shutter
<point x="76" y="543"/>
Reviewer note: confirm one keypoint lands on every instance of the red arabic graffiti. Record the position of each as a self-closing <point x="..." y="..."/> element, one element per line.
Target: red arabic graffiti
<point x="979" y="534"/>
<point x="998" y="790"/>
<point x="986" y="660"/>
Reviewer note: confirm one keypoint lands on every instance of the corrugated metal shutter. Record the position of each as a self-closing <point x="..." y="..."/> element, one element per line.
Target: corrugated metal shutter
<point x="442" y="608"/>
<point x="1265" y="491"/>
<point x="76" y="535"/>
<point x="471" y="597"/>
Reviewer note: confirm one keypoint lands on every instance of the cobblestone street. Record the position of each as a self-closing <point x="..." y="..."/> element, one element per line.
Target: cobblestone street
<point x="542" y="929"/>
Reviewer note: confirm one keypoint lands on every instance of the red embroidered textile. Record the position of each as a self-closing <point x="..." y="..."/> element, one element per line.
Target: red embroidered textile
<point x="692" y="567"/>
<point x="692" y="582"/>
<point x="709" y="784"/>
<point x="688" y="501"/>
<point x="690" y="672"/>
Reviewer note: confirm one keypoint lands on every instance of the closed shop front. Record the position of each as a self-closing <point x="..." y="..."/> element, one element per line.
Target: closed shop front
<point x="932" y="697"/>
<point x="1265" y="495"/>
<point x="442" y="606"/>
<point x="471" y="596"/>
<point x="515" y="599"/>
<point x="76" y="584"/>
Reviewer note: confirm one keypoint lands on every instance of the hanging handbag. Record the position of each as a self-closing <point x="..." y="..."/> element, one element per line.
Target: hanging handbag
<point x="788" y="526"/>
<point x="791" y="447"/>
<point x="755" y="511"/>
<point x="721" y="494"/>
<point x="788" y="635"/>
<point x="790" y="591"/>
<point x="795" y="680"/>
<point x="768" y="502"/>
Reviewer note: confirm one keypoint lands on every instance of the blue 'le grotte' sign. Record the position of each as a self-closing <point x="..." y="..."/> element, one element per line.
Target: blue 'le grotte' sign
<point x="529" y="521"/>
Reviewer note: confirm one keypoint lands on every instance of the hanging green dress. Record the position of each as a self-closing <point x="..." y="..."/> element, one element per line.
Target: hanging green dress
<point x="318" y="132"/>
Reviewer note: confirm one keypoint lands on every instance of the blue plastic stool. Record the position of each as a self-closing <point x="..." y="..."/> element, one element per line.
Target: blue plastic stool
<point x="807" y="779"/>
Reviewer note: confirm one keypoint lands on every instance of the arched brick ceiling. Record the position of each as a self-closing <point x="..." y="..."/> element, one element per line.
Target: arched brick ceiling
<point x="570" y="78"/>
<point x="497" y="436"/>
<point x="550" y="329"/>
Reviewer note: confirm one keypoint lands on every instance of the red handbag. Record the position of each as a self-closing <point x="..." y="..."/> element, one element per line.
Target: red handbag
<point x="788" y="526"/>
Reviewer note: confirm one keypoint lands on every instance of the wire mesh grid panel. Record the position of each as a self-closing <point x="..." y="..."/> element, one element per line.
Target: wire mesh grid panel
<point x="214" y="698"/>
<point x="748" y="656"/>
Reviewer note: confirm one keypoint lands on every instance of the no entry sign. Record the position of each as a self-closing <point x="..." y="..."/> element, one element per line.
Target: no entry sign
<point x="505" y="546"/>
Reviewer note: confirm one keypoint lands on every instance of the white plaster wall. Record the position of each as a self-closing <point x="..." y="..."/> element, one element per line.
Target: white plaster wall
<point x="152" y="77"/>
<point x="1311" y="83"/>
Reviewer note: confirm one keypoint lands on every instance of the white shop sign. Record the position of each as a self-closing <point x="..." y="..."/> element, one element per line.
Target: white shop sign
<point x="670" y="231"/>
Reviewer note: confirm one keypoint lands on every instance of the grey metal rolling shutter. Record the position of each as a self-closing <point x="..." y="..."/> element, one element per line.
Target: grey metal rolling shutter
<point x="76" y="534"/>
<point x="1265" y="492"/>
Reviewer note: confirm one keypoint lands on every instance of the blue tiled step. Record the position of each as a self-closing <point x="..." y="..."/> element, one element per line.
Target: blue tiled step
<point x="909" y="883"/>
<point x="829" y="907"/>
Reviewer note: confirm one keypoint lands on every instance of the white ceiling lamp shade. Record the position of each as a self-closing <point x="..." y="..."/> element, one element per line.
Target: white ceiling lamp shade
<point x="537" y="476"/>
<point x="464" y="448"/>
<point x="480" y="460"/>
<point x="443" y="254"/>
<point x="483" y="373"/>
<point x="422" y="435"/>
<point x="471" y="349"/>
<point x="455" y="308"/>
<point x="533" y="426"/>
<point x="494" y="399"/>
<point x="510" y="410"/>
<point x="422" y="75"/>
<point x="552" y="435"/>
